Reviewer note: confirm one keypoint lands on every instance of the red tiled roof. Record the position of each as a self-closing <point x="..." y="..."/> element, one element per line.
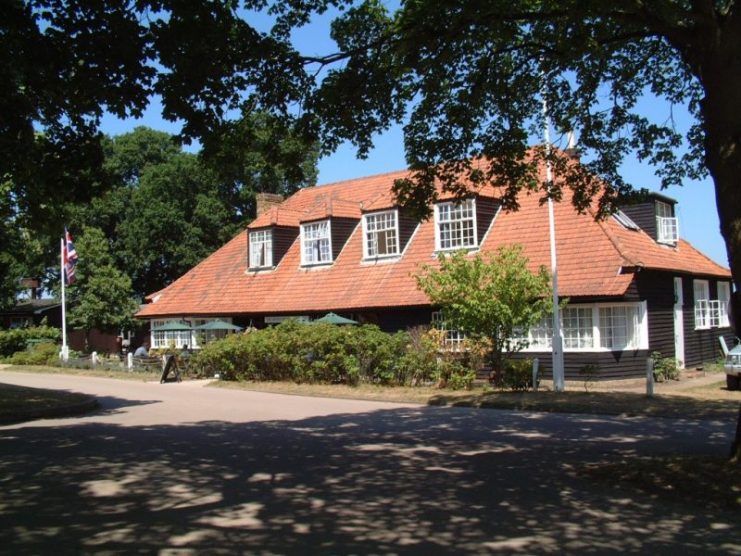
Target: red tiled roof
<point x="592" y="257"/>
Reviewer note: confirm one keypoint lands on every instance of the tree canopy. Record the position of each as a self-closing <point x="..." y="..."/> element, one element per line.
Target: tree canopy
<point x="466" y="79"/>
<point x="493" y="296"/>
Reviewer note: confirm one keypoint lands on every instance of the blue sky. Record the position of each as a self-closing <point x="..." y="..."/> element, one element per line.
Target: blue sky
<point x="696" y="209"/>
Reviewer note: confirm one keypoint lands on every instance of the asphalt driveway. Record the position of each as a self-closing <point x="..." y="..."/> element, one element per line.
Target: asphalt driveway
<point x="180" y="469"/>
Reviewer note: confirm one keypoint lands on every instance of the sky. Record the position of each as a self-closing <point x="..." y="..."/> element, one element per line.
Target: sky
<point x="696" y="209"/>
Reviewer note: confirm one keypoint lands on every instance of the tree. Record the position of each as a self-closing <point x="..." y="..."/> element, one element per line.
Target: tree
<point x="490" y="296"/>
<point x="101" y="297"/>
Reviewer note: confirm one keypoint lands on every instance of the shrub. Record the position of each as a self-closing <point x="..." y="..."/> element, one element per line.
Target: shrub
<point x="517" y="375"/>
<point x="589" y="372"/>
<point x="665" y="368"/>
<point x="45" y="353"/>
<point x="17" y="339"/>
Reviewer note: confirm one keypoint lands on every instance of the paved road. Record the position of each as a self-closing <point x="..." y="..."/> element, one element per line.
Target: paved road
<point x="181" y="469"/>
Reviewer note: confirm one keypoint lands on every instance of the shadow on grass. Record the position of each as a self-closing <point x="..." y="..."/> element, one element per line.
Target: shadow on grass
<point x="603" y="403"/>
<point x="397" y="481"/>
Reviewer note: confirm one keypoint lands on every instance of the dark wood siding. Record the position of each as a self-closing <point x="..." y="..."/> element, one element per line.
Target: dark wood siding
<point x="341" y="230"/>
<point x="407" y="225"/>
<point x="283" y="238"/>
<point x="701" y="346"/>
<point x="486" y="209"/>
<point x="644" y="215"/>
<point x="612" y="365"/>
<point x="657" y="288"/>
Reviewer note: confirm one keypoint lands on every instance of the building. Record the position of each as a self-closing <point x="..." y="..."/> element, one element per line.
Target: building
<point x="633" y="286"/>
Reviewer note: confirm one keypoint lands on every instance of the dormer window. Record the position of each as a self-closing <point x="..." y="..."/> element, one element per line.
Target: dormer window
<point x="381" y="236"/>
<point x="667" y="230"/>
<point x="261" y="249"/>
<point x="316" y="246"/>
<point x="455" y="225"/>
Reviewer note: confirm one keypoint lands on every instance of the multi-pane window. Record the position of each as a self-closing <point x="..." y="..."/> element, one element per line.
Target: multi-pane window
<point x="454" y="340"/>
<point x="456" y="224"/>
<point x="316" y="247"/>
<point x="667" y="229"/>
<point x="577" y="328"/>
<point x="618" y="327"/>
<point x="711" y="313"/>
<point x="724" y="300"/>
<point x="702" y="303"/>
<point x="381" y="235"/>
<point x="261" y="249"/>
<point x="595" y="327"/>
<point x="170" y="338"/>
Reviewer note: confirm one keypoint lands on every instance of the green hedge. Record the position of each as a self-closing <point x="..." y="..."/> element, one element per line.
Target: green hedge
<point x="329" y="354"/>
<point x="45" y="353"/>
<point x="17" y="339"/>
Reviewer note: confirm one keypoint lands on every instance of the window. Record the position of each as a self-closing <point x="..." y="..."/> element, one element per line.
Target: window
<point x="724" y="301"/>
<point x="711" y="313"/>
<point x="577" y="328"/>
<point x="316" y="246"/>
<point x="456" y="225"/>
<point x="261" y="249"/>
<point x="381" y="236"/>
<point x="168" y="338"/>
<point x="454" y="340"/>
<point x="702" y="303"/>
<point x="619" y="327"/>
<point x="667" y="229"/>
<point x="598" y="327"/>
<point x="625" y="220"/>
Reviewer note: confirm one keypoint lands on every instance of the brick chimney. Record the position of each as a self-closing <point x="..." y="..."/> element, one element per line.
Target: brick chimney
<point x="266" y="201"/>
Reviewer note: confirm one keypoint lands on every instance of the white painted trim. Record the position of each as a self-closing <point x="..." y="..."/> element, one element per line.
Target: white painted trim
<point x="679" y="354"/>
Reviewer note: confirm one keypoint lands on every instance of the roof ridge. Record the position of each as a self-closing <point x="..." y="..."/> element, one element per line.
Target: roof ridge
<point x="362" y="178"/>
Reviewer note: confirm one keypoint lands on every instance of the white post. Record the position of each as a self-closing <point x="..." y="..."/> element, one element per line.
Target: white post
<point x="535" y="374"/>
<point x="65" y="349"/>
<point x="130" y="361"/>
<point x="94" y="358"/>
<point x="650" y="377"/>
<point x="557" y="342"/>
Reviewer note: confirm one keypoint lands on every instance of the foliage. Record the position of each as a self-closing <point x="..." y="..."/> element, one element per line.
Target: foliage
<point x="665" y="368"/>
<point x="516" y="375"/>
<point x="45" y="353"/>
<point x="17" y="339"/>
<point x="101" y="297"/>
<point x="329" y="354"/>
<point x="489" y="297"/>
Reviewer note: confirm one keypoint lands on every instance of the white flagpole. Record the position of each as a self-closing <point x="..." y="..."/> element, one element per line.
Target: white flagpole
<point x="557" y="341"/>
<point x="65" y="348"/>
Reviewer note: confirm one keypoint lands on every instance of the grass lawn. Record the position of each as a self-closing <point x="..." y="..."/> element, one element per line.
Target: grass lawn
<point x="122" y="374"/>
<point x="19" y="403"/>
<point x="701" y="403"/>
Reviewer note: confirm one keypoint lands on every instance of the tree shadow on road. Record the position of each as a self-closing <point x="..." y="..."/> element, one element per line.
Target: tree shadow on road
<point x="399" y="481"/>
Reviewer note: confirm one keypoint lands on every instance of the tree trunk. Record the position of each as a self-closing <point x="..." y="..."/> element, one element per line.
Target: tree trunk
<point x="719" y="71"/>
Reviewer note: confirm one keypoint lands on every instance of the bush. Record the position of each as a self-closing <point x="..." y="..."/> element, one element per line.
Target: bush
<point x="329" y="354"/>
<point x="517" y="375"/>
<point x="45" y="353"/>
<point x="665" y="368"/>
<point x="17" y="339"/>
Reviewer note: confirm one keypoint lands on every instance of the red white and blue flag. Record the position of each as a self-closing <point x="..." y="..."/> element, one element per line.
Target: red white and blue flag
<point x="70" y="257"/>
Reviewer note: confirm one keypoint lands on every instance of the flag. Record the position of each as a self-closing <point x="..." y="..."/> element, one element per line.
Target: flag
<point x="70" y="257"/>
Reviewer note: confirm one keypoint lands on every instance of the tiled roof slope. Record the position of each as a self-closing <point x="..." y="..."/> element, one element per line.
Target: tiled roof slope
<point x="591" y="259"/>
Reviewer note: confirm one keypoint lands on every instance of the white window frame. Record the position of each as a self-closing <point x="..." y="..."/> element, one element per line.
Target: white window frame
<point x="160" y="339"/>
<point x="317" y="234"/>
<point x="539" y="337"/>
<point x="453" y="218"/>
<point x="261" y="249"/>
<point x="724" y="301"/>
<point x="376" y="224"/>
<point x="667" y="226"/>
<point x="701" y="292"/>
<point x="454" y="340"/>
